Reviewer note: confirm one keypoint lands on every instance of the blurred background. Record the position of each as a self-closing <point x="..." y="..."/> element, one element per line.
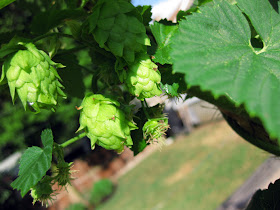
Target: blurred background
<point x="200" y="165"/>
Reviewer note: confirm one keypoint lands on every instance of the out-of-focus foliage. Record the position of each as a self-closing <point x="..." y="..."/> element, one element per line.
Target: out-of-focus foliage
<point x="20" y="129"/>
<point x="100" y="190"/>
<point x="76" y="206"/>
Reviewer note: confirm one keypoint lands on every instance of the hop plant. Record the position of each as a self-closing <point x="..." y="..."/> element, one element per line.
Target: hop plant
<point x="32" y="74"/>
<point x="43" y="191"/>
<point x="117" y="27"/>
<point x="143" y="78"/>
<point x="105" y="123"/>
<point x="155" y="128"/>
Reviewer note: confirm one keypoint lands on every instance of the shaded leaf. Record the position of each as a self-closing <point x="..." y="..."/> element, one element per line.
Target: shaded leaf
<point x="139" y="143"/>
<point x="71" y="74"/>
<point x="146" y="13"/>
<point x="51" y="18"/>
<point x="72" y="4"/>
<point x="4" y="3"/>
<point x="266" y="199"/>
<point x="172" y="83"/>
<point x="275" y="4"/>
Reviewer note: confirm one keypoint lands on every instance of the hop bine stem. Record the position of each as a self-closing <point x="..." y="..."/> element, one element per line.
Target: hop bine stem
<point x="144" y="109"/>
<point x="52" y="34"/>
<point x="70" y="141"/>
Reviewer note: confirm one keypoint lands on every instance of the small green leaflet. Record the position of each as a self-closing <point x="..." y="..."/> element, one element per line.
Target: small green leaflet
<point x="214" y="51"/>
<point x="172" y="83"/>
<point x="171" y="90"/>
<point x="4" y="3"/>
<point x="34" y="164"/>
<point x="163" y="34"/>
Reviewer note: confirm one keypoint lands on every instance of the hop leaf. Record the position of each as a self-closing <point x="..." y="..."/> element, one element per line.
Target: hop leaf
<point x="33" y="75"/>
<point x="117" y="27"/>
<point x="143" y="78"/>
<point x="105" y="123"/>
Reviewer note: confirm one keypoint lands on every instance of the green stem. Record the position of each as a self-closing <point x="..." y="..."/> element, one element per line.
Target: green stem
<point x="70" y="141"/>
<point x="72" y="50"/>
<point x="52" y="34"/>
<point x="146" y="103"/>
<point x="145" y="110"/>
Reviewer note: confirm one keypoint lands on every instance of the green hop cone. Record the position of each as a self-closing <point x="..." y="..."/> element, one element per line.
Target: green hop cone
<point x="143" y="78"/>
<point x="155" y="128"/>
<point x="33" y="75"/>
<point x="43" y="191"/>
<point x="117" y="27"/>
<point x="105" y="123"/>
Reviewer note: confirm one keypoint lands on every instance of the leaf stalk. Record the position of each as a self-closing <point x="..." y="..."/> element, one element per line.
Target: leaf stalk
<point x="145" y="110"/>
<point x="72" y="140"/>
<point x="52" y="34"/>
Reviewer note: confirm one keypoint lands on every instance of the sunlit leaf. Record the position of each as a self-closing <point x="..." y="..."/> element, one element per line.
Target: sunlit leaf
<point x="34" y="164"/>
<point x="163" y="34"/>
<point x="213" y="48"/>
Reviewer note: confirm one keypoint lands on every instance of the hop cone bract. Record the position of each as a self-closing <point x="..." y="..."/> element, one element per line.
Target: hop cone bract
<point x="105" y="123"/>
<point x="117" y="27"/>
<point x="63" y="173"/>
<point x="155" y="128"/>
<point x="43" y="191"/>
<point x="143" y="78"/>
<point x="33" y="75"/>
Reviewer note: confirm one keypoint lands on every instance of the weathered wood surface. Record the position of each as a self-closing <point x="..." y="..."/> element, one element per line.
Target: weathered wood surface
<point x="267" y="173"/>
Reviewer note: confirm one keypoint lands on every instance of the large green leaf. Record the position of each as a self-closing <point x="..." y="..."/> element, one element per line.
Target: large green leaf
<point x="34" y="164"/>
<point x="214" y="50"/>
<point x="163" y="34"/>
